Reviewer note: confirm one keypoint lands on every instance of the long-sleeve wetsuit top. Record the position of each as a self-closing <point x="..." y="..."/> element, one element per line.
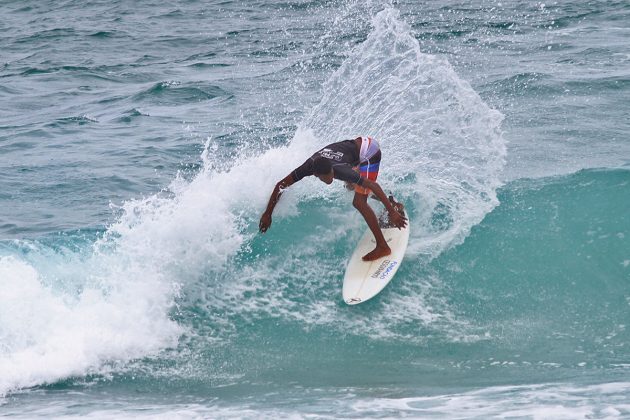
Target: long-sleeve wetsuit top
<point x="343" y="156"/>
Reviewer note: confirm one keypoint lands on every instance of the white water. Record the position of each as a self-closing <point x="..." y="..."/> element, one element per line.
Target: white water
<point x="542" y="401"/>
<point x="48" y="335"/>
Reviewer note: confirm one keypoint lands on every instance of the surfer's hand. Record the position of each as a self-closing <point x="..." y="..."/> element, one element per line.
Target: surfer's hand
<point x="265" y="222"/>
<point x="397" y="219"/>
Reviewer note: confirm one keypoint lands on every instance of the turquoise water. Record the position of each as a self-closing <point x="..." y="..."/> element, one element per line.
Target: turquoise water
<point x="139" y="144"/>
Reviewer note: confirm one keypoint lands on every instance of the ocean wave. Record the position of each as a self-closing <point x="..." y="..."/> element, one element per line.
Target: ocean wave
<point x="193" y="248"/>
<point x="175" y="92"/>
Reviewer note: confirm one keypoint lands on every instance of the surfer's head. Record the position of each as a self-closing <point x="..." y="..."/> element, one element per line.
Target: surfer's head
<point x="322" y="169"/>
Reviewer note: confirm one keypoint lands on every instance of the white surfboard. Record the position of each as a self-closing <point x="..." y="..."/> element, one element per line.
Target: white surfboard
<point x="364" y="280"/>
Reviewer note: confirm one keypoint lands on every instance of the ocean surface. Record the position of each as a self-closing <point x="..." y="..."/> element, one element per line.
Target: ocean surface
<point x="139" y="143"/>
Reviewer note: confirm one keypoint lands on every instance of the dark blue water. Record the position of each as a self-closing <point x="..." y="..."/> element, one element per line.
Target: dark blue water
<point x="140" y="142"/>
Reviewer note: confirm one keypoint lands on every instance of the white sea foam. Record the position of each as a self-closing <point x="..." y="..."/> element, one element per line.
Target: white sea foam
<point x="541" y="401"/>
<point x="46" y="335"/>
<point x="66" y="315"/>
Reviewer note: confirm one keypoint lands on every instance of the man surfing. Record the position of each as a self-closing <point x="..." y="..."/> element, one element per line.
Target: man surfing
<point x="337" y="161"/>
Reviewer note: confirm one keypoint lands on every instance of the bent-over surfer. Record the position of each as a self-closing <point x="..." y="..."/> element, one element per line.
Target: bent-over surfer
<point x="338" y="160"/>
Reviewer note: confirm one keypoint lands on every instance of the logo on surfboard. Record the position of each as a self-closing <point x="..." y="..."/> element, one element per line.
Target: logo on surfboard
<point x="384" y="269"/>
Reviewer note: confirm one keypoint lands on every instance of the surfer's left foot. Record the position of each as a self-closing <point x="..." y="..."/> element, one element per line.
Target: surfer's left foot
<point x="377" y="253"/>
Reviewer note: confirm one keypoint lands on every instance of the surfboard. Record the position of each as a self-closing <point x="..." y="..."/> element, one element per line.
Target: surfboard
<point x="365" y="279"/>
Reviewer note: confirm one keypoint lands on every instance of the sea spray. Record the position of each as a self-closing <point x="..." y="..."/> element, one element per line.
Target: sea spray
<point x="442" y="145"/>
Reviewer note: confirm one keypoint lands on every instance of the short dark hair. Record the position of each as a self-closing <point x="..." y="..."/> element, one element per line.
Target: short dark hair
<point x="321" y="166"/>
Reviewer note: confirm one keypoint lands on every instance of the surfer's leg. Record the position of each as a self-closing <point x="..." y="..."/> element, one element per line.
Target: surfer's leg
<point x="382" y="249"/>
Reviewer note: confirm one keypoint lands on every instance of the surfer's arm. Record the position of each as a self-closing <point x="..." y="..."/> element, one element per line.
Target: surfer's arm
<point x="265" y="219"/>
<point x="396" y="218"/>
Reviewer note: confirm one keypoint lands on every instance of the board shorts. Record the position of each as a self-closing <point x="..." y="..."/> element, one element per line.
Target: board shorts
<point x="370" y="156"/>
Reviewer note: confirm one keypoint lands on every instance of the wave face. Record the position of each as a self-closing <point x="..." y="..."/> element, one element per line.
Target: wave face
<point x="522" y="297"/>
<point x="513" y="291"/>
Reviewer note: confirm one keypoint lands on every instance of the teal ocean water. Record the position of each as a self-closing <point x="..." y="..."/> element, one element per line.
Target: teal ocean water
<point x="139" y="143"/>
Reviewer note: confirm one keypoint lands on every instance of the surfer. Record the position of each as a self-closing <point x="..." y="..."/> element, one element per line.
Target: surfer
<point x="340" y="161"/>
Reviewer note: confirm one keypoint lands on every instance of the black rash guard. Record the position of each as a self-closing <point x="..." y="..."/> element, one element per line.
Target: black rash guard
<point x="343" y="156"/>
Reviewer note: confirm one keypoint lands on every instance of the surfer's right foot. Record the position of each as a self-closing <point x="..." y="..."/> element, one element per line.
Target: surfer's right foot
<point x="377" y="253"/>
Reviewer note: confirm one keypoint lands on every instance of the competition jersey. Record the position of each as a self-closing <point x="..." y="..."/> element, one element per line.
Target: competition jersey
<point x="343" y="156"/>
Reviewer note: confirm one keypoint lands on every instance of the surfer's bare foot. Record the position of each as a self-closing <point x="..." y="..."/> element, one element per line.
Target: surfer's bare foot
<point x="377" y="253"/>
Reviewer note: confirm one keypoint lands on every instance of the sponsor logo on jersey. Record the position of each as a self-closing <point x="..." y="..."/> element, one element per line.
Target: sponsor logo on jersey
<point x="331" y="154"/>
